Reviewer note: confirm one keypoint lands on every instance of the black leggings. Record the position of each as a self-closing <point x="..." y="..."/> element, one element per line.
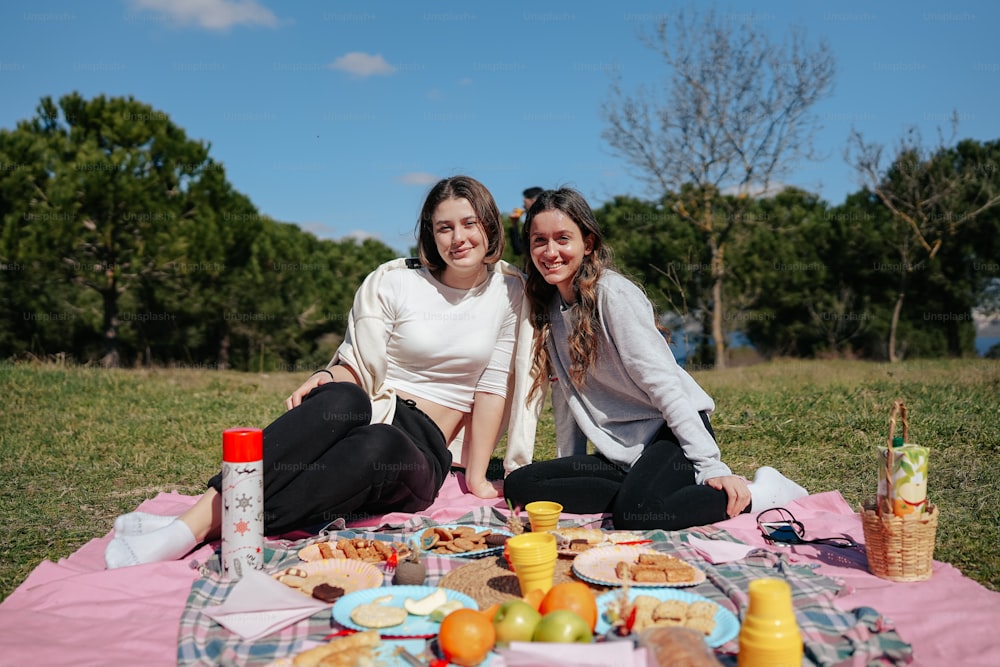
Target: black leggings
<point x="323" y="460"/>
<point x="658" y="492"/>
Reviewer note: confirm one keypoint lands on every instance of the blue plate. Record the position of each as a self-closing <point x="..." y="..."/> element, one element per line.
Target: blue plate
<point x="413" y="626"/>
<point x="727" y="626"/>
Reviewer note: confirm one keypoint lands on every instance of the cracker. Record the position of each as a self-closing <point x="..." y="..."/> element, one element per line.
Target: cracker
<point x="325" y="550"/>
<point x="703" y="625"/>
<point x="670" y="609"/>
<point x="359" y="640"/>
<point x="646" y="574"/>
<point x="384" y="550"/>
<point x="702" y="608"/>
<point x="348" y="548"/>
<point x="378" y="615"/>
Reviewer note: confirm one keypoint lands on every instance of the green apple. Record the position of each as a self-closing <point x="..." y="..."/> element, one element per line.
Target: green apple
<point x="562" y="625"/>
<point x="515" y="621"/>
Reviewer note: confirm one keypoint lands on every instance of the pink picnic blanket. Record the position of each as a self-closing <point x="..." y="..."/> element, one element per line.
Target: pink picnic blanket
<point x="76" y="610"/>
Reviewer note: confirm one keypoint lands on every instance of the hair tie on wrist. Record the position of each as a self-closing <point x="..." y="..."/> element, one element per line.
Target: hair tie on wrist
<point x="327" y="371"/>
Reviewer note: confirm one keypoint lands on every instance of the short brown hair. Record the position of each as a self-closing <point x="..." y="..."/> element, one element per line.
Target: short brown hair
<point x="487" y="212"/>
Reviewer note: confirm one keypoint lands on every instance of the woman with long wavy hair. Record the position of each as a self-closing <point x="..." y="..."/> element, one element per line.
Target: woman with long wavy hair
<point x="616" y="384"/>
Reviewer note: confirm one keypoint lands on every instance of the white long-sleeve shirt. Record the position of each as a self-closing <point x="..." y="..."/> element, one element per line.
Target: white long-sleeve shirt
<point x="633" y="387"/>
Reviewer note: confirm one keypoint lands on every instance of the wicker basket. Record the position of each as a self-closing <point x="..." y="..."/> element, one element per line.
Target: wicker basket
<point x="900" y="549"/>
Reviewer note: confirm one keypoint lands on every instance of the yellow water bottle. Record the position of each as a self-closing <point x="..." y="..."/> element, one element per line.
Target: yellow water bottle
<point x="770" y="636"/>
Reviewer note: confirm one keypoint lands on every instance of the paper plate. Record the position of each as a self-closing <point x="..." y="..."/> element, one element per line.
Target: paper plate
<point x="312" y="553"/>
<point x="467" y="554"/>
<point x="413" y="626"/>
<point x="727" y="626"/>
<point x="351" y="575"/>
<point x="598" y="566"/>
<point x="596" y="538"/>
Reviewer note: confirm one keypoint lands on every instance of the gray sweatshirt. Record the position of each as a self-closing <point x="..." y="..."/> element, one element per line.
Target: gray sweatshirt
<point x="634" y="386"/>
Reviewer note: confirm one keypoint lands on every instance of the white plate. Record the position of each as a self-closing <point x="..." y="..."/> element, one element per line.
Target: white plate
<point x="727" y="626"/>
<point x="413" y="626"/>
<point x="598" y="567"/>
<point x="468" y="554"/>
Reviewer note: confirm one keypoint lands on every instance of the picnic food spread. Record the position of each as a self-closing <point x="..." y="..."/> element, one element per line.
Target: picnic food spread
<point x="571" y="610"/>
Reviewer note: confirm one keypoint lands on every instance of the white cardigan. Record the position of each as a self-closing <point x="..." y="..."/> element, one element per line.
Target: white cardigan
<point x="367" y="357"/>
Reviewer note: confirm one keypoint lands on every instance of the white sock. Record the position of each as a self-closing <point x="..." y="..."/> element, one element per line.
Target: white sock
<point x="168" y="543"/>
<point x="770" y="488"/>
<point x="140" y="523"/>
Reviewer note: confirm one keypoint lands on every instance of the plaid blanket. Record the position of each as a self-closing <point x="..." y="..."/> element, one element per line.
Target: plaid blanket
<point x="831" y="636"/>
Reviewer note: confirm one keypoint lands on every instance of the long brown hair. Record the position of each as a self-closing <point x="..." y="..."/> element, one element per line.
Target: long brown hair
<point x="583" y="338"/>
<point x="460" y="187"/>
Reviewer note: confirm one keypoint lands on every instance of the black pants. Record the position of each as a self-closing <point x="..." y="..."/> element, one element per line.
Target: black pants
<point x="658" y="492"/>
<point x="324" y="460"/>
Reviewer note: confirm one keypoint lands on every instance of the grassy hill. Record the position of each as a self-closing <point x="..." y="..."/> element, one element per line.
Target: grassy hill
<point x="82" y="445"/>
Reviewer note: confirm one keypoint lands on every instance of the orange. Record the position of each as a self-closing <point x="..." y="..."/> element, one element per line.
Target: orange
<point x="534" y="597"/>
<point x="466" y="637"/>
<point x="574" y="596"/>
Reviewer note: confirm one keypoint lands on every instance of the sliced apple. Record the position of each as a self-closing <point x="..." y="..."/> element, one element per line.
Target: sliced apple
<point x="443" y="610"/>
<point x="425" y="605"/>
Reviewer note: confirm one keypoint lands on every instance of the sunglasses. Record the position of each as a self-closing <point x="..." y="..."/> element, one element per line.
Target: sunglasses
<point x="779" y="526"/>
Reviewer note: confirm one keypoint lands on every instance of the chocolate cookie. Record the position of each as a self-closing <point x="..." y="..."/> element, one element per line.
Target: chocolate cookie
<point x="496" y="540"/>
<point x="327" y="592"/>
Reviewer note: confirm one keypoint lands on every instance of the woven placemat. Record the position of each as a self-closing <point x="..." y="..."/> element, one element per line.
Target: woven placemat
<point x="489" y="581"/>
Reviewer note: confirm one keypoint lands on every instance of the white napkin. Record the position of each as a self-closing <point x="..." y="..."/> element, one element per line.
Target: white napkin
<point x="259" y="605"/>
<point x="542" y="654"/>
<point x="720" y="551"/>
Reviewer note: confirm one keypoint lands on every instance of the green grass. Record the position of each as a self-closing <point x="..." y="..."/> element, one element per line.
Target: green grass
<point x="82" y="445"/>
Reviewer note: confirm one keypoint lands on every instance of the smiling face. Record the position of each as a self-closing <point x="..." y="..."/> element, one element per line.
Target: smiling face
<point x="558" y="247"/>
<point x="459" y="238"/>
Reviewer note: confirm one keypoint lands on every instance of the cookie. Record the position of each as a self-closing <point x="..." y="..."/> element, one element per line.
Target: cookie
<point x="496" y="540"/>
<point x="429" y="539"/>
<point x="327" y="592"/>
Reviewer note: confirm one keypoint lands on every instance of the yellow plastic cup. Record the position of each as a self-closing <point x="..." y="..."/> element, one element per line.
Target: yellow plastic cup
<point x="769" y="635"/>
<point x="533" y="577"/>
<point x="543" y="515"/>
<point x="533" y="558"/>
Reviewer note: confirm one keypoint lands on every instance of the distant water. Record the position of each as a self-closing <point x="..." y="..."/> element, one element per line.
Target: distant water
<point x="983" y="344"/>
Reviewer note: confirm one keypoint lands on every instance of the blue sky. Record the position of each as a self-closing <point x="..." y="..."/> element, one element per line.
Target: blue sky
<point x="338" y="116"/>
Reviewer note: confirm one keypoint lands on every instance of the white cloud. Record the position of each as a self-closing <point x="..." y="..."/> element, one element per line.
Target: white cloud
<point x="211" y="14"/>
<point x="361" y="235"/>
<point x="418" y="178"/>
<point x="757" y="190"/>
<point x="362" y="64"/>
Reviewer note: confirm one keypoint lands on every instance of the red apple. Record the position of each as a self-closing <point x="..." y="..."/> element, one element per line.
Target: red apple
<point x="562" y="625"/>
<point x="515" y="621"/>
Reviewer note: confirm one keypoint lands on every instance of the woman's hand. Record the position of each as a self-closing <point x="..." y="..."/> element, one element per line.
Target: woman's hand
<point x="315" y="380"/>
<point x="737" y="490"/>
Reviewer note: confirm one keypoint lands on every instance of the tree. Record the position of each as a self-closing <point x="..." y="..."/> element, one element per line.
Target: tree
<point x="118" y="173"/>
<point x="734" y="117"/>
<point x="932" y="192"/>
